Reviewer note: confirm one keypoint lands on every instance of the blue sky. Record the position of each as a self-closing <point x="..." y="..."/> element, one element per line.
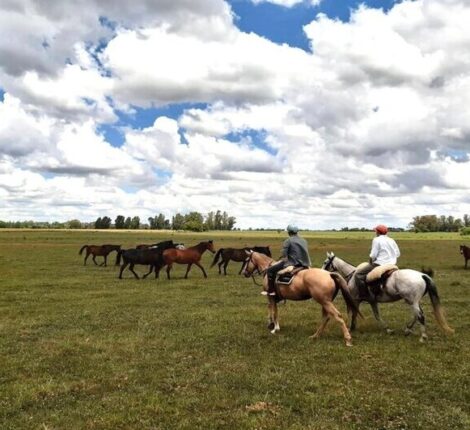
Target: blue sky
<point x="352" y="133"/>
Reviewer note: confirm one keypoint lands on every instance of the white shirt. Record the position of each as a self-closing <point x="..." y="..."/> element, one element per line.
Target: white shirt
<point x="384" y="250"/>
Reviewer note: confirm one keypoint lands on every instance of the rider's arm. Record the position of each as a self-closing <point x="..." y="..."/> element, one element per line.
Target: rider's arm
<point x="285" y="249"/>
<point x="374" y="252"/>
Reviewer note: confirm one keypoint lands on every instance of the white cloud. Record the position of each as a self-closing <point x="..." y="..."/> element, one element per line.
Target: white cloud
<point x="371" y="125"/>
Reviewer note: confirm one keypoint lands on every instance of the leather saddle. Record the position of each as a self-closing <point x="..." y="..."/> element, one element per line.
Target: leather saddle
<point x="378" y="276"/>
<point x="286" y="275"/>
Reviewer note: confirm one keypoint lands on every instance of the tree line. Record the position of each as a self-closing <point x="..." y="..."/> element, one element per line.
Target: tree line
<point x="433" y="223"/>
<point x="192" y="221"/>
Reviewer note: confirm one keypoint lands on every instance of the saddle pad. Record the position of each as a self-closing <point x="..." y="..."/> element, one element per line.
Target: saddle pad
<point x="288" y="269"/>
<point x="361" y="266"/>
<point x="375" y="274"/>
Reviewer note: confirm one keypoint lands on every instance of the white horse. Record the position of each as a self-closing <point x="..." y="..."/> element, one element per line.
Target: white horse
<point x="409" y="285"/>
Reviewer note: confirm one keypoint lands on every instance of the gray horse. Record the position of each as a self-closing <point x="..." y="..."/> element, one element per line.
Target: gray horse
<point x="409" y="285"/>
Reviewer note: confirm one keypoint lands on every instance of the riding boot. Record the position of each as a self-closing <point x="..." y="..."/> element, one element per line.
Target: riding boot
<point x="364" y="291"/>
<point x="271" y="287"/>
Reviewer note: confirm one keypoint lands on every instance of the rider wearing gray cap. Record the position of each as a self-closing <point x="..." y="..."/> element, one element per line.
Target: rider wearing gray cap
<point x="294" y="253"/>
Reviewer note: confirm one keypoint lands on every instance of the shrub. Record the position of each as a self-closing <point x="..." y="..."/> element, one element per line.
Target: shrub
<point x="465" y="231"/>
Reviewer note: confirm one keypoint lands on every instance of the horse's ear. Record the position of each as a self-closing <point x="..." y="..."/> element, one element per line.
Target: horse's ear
<point x="248" y="252"/>
<point x="328" y="254"/>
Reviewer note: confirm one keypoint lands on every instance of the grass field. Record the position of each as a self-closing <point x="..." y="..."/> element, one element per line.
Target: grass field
<point x="81" y="349"/>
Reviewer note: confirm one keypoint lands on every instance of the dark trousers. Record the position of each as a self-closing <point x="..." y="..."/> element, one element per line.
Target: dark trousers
<point x="272" y="272"/>
<point x="360" y="279"/>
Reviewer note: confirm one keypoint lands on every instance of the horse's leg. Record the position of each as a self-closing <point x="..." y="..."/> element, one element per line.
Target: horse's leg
<point x="202" y="268"/>
<point x="418" y="315"/>
<point x="270" y="316"/>
<point x="124" y="265"/>
<point x="275" y="318"/>
<point x="94" y="261"/>
<point x="383" y="323"/>
<point x="324" y="322"/>
<point x="149" y="272"/>
<point x="104" y="264"/>
<point x="466" y="261"/>
<point x="86" y="257"/>
<point x="187" y="270"/>
<point x="168" y="268"/>
<point x="225" y="267"/>
<point x="131" y="268"/>
<point x="220" y="267"/>
<point x="331" y="309"/>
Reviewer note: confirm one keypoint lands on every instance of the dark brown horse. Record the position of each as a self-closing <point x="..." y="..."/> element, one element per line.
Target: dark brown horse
<point x="465" y="251"/>
<point x="189" y="256"/>
<point x="238" y="255"/>
<point x="98" y="250"/>
<point x="152" y="257"/>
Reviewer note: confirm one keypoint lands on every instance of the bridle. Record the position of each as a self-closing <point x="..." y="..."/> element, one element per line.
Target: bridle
<point x="255" y="270"/>
<point x="329" y="265"/>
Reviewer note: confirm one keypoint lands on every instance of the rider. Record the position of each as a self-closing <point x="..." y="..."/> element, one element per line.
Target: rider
<point x="294" y="253"/>
<point x="384" y="251"/>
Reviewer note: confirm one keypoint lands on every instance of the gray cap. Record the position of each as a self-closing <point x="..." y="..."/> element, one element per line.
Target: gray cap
<point x="292" y="229"/>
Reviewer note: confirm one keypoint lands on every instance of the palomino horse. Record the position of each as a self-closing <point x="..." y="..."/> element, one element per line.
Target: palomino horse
<point x="238" y="255"/>
<point x="317" y="284"/>
<point x="98" y="250"/>
<point x="465" y="251"/>
<point x="409" y="285"/>
<point x="189" y="256"/>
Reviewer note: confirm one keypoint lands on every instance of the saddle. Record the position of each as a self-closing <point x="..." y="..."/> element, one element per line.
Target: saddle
<point x="286" y="275"/>
<point x="378" y="276"/>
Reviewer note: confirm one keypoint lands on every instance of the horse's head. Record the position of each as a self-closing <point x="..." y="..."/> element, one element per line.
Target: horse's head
<point x="210" y="246"/>
<point x="462" y="248"/>
<point x="328" y="264"/>
<point x="250" y="266"/>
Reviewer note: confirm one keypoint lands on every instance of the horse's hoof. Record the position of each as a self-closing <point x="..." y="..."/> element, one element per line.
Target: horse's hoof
<point x="271" y="326"/>
<point x="349" y="343"/>
<point x="389" y="331"/>
<point x="423" y="339"/>
<point x="273" y="331"/>
<point x="408" y="331"/>
<point x="313" y="337"/>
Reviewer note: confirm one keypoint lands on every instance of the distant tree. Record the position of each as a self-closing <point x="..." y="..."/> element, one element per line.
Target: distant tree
<point x="218" y="221"/>
<point x="177" y="222"/>
<point x="127" y="223"/>
<point x="209" y="222"/>
<point x="120" y="222"/>
<point x="98" y="222"/>
<point x="160" y="222"/>
<point x="74" y="223"/>
<point x="194" y="221"/>
<point x="466" y="220"/>
<point x="135" y="223"/>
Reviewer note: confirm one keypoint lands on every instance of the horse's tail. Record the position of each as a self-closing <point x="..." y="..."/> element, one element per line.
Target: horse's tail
<point x="81" y="249"/>
<point x="118" y="257"/>
<point x="216" y="257"/>
<point x="428" y="271"/>
<point x="341" y="284"/>
<point x="436" y="305"/>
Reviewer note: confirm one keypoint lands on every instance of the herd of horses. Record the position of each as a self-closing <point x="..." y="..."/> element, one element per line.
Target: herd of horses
<point x="166" y="253"/>
<point x="319" y="284"/>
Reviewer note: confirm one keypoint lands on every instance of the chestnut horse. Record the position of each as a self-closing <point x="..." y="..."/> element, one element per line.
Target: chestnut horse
<point x="98" y="250"/>
<point x="465" y="251"/>
<point x="317" y="284"/>
<point x="189" y="256"/>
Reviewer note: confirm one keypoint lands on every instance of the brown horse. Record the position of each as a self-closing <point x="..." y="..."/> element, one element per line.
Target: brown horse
<point x="317" y="284"/>
<point x="98" y="250"/>
<point x="465" y="251"/>
<point x="189" y="256"/>
<point x="238" y="255"/>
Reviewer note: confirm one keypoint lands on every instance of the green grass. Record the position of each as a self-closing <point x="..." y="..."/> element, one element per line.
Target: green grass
<point x="82" y="350"/>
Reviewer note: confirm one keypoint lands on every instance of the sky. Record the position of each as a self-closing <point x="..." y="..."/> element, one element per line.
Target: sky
<point x="320" y="113"/>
